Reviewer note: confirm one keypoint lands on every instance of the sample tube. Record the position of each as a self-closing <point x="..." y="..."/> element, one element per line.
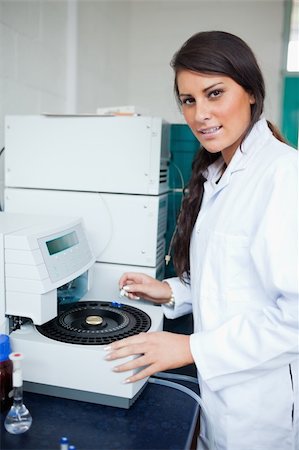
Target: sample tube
<point x="64" y="443"/>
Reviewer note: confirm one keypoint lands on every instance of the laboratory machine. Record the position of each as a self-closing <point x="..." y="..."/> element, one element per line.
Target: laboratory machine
<point x="111" y="171"/>
<point x="127" y="155"/>
<point x="46" y="272"/>
<point x="122" y="228"/>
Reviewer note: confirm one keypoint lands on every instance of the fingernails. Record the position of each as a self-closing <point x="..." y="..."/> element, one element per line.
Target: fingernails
<point x="108" y="348"/>
<point x="123" y="293"/>
<point x="127" y="381"/>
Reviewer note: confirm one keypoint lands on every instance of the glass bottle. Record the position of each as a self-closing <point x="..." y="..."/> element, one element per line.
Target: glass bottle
<point x="18" y="419"/>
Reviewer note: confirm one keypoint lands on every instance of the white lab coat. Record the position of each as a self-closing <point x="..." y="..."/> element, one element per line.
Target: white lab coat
<point x="244" y="296"/>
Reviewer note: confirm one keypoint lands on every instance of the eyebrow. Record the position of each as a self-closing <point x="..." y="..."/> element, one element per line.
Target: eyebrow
<point x="204" y="90"/>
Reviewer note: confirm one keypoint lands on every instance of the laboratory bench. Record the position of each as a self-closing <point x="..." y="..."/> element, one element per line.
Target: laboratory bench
<point x="161" y="418"/>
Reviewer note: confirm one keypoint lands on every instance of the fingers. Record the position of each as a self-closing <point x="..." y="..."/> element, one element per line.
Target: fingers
<point x="145" y="373"/>
<point x="124" y="292"/>
<point x="123" y="352"/>
<point x="134" y="345"/>
<point x="135" y="285"/>
<point x="126" y="343"/>
<point x="135" y="363"/>
<point x="133" y="291"/>
<point x="132" y="285"/>
<point x="142" y="362"/>
<point x="150" y="352"/>
<point x="131" y="278"/>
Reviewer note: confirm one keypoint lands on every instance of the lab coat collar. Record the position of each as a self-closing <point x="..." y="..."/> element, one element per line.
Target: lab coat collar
<point x="256" y="138"/>
<point x="253" y="142"/>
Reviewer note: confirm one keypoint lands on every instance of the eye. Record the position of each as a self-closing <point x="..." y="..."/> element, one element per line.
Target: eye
<point x="187" y="101"/>
<point x="215" y="93"/>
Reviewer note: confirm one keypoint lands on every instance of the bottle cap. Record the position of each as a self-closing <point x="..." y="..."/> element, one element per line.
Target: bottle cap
<point x="64" y="440"/>
<point x="17" y="379"/>
<point x="4" y="347"/>
<point x="16" y="356"/>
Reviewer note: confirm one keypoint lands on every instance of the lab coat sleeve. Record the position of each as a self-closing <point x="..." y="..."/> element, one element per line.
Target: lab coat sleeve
<point x="249" y="344"/>
<point x="182" y="295"/>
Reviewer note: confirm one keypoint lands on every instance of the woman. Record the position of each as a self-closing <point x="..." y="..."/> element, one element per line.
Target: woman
<point x="235" y="254"/>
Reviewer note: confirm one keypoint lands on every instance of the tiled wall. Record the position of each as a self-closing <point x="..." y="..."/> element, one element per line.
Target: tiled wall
<point x="33" y="45"/>
<point x="33" y="60"/>
<point x="258" y="22"/>
<point x="103" y="51"/>
<point x="61" y="56"/>
<point x="76" y="55"/>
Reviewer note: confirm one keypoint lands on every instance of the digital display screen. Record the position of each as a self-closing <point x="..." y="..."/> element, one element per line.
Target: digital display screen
<point x="62" y="243"/>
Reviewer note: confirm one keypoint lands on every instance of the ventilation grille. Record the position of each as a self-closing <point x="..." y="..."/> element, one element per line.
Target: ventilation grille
<point x="160" y="250"/>
<point x="163" y="176"/>
<point x="162" y="217"/>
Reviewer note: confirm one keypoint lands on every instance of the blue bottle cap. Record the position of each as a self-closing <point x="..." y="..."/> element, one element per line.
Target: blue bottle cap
<point x="5" y="349"/>
<point x="72" y="447"/>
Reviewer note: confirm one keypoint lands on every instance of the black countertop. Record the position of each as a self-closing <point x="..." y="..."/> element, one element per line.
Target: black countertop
<point x="161" y="418"/>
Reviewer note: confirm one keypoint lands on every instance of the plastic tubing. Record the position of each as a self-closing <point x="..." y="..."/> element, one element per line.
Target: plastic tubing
<point x="196" y="397"/>
<point x="176" y="376"/>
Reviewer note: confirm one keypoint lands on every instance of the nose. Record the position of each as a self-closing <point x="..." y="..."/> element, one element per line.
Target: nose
<point x="202" y="111"/>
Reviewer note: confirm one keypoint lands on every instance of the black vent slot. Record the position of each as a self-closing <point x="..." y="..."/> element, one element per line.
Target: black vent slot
<point x="163" y="175"/>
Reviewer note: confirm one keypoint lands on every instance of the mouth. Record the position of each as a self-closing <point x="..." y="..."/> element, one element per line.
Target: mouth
<point x="209" y="131"/>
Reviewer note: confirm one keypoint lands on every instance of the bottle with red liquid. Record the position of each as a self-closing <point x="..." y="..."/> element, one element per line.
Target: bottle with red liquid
<point x="6" y="369"/>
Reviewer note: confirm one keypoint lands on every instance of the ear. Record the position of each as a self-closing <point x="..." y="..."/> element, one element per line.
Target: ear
<point x="252" y="99"/>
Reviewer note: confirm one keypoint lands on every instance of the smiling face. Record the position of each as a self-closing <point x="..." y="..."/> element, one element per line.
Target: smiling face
<point x="216" y="108"/>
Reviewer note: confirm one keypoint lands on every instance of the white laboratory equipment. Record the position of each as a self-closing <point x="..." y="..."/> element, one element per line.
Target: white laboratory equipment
<point x="111" y="171"/>
<point x="126" y="155"/>
<point x="46" y="266"/>
<point x="122" y="228"/>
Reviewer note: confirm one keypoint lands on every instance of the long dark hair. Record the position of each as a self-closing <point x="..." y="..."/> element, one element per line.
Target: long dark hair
<point x="212" y="52"/>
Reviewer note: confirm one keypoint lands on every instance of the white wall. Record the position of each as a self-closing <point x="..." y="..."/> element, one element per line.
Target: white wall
<point x="61" y="56"/>
<point x="103" y="50"/>
<point x="76" y="55"/>
<point x="32" y="54"/>
<point x="159" y="28"/>
<point x="69" y="56"/>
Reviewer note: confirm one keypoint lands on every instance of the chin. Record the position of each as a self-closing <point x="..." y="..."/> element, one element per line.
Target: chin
<point x="211" y="150"/>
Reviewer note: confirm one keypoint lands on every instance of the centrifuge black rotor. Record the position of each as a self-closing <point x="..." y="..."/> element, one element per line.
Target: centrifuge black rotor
<point x="96" y="323"/>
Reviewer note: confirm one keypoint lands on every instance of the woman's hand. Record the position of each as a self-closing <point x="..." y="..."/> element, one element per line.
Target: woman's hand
<point x="157" y="351"/>
<point x="138" y="285"/>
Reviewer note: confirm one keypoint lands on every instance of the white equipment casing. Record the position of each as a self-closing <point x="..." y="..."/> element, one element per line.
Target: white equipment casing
<point x="113" y="173"/>
<point x="106" y="276"/>
<point x="75" y="371"/>
<point x="87" y="153"/>
<point x="123" y="229"/>
<point x="39" y="254"/>
<point x="32" y="269"/>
